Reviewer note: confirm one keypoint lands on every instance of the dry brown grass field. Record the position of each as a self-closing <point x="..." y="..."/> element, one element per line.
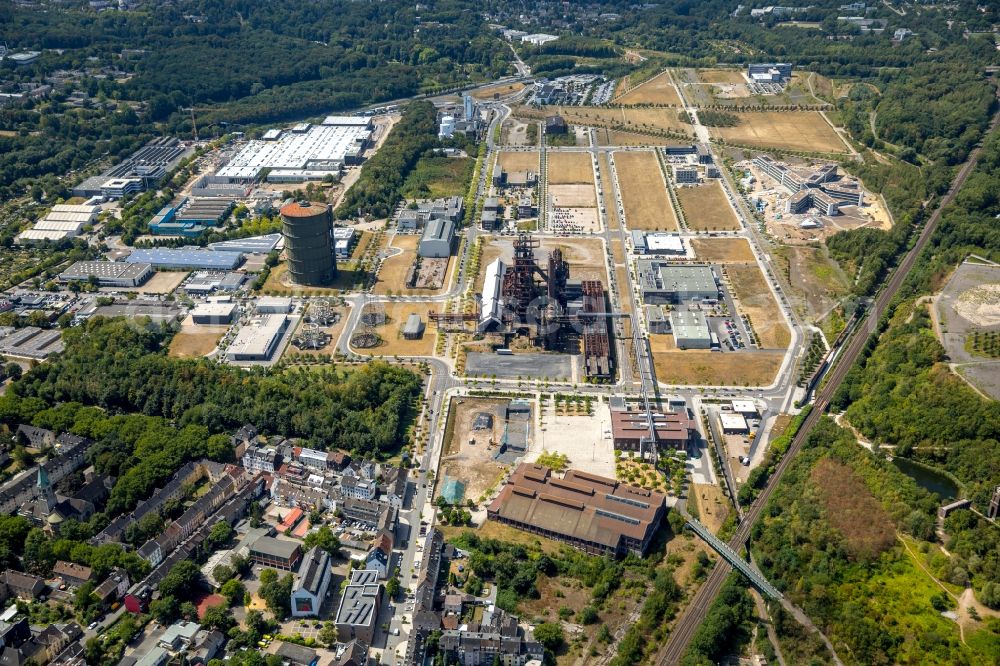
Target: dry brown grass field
<point x="494" y="530"/>
<point x="610" y="137"/>
<point x="503" y="90"/>
<point x="722" y="250"/>
<point x="626" y="118"/>
<point x="757" y="302"/>
<point x="657" y="90"/>
<point x="393" y="342"/>
<point x="569" y="168"/>
<point x="852" y="510"/>
<point x="713" y="507"/>
<point x="617" y="251"/>
<point x="725" y="76"/>
<point x="691" y="366"/>
<point x="706" y="207"/>
<point x="644" y="193"/>
<point x="519" y="161"/>
<point x="392" y="273"/>
<point x="789" y="130"/>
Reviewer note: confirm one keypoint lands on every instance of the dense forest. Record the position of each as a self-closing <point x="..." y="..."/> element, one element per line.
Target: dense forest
<point x="828" y="540"/>
<point x="307" y="60"/>
<point x="123" y="368"/>
<point x="379" y="187"/>
<point x="902" y="393"/>
<point x="906" y="396"/>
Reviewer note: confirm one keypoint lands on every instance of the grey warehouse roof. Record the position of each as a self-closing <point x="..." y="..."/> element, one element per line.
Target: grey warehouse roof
<point x="274" y="547"/>
<point x="439" y="230"/>
<point x="251" y="245"/>
<point x="116" y="270"/>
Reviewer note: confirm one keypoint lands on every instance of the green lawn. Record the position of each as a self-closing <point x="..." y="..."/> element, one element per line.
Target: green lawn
<point x="435" y="177"/>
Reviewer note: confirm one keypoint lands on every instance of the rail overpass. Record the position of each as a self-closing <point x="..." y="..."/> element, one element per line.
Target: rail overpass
<point x="737" y="562"/>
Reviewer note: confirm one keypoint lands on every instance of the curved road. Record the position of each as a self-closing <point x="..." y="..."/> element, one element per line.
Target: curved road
<point x="686" y="627"/>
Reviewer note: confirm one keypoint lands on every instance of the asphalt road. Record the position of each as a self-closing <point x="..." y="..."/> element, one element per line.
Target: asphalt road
<point x="689" y="622"/>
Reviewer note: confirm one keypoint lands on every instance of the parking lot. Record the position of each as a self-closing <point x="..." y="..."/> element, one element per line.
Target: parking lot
<point x="513" y="366"/>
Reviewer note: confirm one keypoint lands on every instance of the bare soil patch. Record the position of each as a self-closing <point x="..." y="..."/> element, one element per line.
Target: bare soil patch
<point x="980" y="305"/>
<point x="196" y="341"/>
<point x="468" y="454"/>
<point x="162" y="282"/>
<point x="574" y="196"/>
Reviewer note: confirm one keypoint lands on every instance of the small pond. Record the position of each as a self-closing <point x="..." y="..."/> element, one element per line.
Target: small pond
<point x="927" y="479"/>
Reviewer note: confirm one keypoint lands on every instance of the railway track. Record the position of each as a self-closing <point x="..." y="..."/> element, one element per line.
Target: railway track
<point x="681" y="636"/>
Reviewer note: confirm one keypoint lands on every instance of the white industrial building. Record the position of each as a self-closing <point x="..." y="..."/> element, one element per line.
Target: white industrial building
<point x="667" y="283"/>
<point x="492" y="305"/>
<point x="733" y="424"/>
<point x="274" y="305"/>
<point x="36" y="236"/>
<point x="658" y="243"/>
<point x="538" y="39"/>
<point x="213" y="314"/>
<point x="746" y="408"/>
<point x="250" y="245"/>
<point x="690" y="329"/>
<point x="447" y="128"/>
<point x="258" y="340"/>
<point x="108" y="273"/>
<point x="62" y="222"/>
<point x="437" y="239"/>
<point x="295" y="156"/>
<point x="342" y="238"/>
<point x="348" y="121"/>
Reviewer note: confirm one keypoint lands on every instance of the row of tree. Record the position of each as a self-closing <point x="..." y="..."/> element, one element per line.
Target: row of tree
<point x="379" y="187"/>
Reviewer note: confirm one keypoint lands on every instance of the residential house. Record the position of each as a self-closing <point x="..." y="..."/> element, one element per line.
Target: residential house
<point x="22" y="585"/>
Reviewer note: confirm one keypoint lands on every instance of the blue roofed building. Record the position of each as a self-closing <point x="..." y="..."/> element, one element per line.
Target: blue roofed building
<point x="165" y="223"/>
<point x="189" y="258"/>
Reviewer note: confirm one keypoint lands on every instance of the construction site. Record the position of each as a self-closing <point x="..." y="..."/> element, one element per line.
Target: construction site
<point x="536" y="301"/>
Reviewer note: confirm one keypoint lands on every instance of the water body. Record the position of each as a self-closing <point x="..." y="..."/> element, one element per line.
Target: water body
<point x="927" y="479"/>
